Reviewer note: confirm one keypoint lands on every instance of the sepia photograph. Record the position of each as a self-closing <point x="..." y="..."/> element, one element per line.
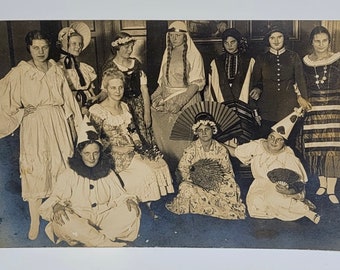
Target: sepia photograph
<point x="138" y="134"/>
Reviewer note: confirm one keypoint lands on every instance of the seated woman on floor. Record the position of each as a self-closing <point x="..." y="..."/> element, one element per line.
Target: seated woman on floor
<point x="273" y="194"/>
<point x="88" y="205"/>
<point x="144" y="173"/>
<point x="208" y="186"/>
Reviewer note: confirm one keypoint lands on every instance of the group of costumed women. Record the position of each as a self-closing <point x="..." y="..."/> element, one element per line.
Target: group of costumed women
<point x="94" y="155"/>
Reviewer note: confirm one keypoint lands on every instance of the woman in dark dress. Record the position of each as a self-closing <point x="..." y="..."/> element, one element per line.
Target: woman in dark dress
<point x="136" y="93"/>
<point x="278" y="83"/>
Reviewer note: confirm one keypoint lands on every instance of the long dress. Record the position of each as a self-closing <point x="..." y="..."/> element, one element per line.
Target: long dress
<point x="275" y="73"/>
<point x="223" y="201"/>
<point x="263" y="200"/>
<point x="45" y="137"/>
<point x="147" y="179"/>
<point x="321" y="129"/>
<point x="173" y="91"/>
<point x="135" y="77"/>
<point x="97" y="203"/>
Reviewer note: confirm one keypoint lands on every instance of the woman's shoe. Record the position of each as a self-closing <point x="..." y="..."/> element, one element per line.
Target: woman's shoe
<point x="321" y="191"/>
<point x="316" y="218"/>
<point x="333" y="198"/>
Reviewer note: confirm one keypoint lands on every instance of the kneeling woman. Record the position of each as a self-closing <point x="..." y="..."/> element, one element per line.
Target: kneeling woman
<point x="88" y="205"/>
<point x="208" y="186"/>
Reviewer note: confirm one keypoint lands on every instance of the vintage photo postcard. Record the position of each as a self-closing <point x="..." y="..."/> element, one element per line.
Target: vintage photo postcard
<point x="144" y="134"/>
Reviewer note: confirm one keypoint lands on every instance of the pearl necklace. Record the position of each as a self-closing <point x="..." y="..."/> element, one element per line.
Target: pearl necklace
<point x="319" y="81"/>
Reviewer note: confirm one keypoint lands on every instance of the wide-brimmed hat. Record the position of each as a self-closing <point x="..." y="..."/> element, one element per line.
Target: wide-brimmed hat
<point x="80" y="28"/>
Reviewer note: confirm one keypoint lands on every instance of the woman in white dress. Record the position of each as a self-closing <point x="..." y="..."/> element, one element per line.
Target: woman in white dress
<point x="88" y="205"/>
<point x="81" y="77"/>
<point x="265" y="199"/>
<point x="35" y="96"/>
<point x="145" y="175"/>
<point x="180" y="81"/>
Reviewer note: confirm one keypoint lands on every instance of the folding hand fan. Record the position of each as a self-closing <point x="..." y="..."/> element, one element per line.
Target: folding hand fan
<point x="226" y="119"/>
<point x="247" y="125"/>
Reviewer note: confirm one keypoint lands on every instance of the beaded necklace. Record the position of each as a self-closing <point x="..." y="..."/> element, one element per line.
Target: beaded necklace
<point x="321" y="81"/>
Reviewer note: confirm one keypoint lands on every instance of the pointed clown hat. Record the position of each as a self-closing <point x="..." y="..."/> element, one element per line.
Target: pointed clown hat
<point x="79" y="28"/>
<point x="87" y="132"/>
<point x="285" y="126"/>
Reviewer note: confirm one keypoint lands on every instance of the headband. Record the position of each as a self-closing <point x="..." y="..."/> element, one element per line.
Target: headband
<point x="173" y="29"/>
<point x="122" y="41"/>
<point x="212" y="124"/>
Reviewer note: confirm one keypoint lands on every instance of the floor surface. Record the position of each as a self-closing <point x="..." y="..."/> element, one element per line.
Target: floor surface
<point x="171" y="230"/>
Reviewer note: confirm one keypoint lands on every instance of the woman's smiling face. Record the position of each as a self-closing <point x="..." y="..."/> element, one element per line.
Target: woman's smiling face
<point x="115" y="89"/>
<point x="276" y="40"/>
<point x="275" y="142"/>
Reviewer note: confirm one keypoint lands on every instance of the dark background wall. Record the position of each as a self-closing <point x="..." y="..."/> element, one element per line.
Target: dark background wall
<point x="150" y="36"/>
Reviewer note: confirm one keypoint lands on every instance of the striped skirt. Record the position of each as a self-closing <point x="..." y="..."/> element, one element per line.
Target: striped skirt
<point x="321" y="133"/>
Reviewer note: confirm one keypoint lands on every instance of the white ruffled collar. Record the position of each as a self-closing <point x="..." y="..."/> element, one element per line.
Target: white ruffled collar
<point x="323" y="62"/>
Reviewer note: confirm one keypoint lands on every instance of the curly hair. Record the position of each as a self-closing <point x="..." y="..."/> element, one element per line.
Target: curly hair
<point x="112" y="73"/>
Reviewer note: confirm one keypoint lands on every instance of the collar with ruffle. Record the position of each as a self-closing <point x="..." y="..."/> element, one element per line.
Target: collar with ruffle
<point x="323" y="62"/>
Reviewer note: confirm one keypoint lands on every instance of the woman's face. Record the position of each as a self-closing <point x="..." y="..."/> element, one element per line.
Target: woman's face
<point x="75" y="45"/>
<point x="320" y="43"/>
<point x="39" y="50"/>
<point x="115" y="89"/>
<point x="275" y="142"/>
<point x="125" y="50"/>
<point x="230" y="45"/>
<point x="90" y="154"/>
<point x="204" y="133"/>
<point x="276" y="40"/>
<point x="176" y="38"/>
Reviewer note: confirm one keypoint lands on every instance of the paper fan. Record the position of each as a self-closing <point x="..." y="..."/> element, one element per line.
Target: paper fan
<point x="225" y="119"/>
<point x="244" y="131"/>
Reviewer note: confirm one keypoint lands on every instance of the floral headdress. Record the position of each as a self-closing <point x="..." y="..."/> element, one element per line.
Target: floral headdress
<point x="205" y="119"/>
<point x="122" y="41"/>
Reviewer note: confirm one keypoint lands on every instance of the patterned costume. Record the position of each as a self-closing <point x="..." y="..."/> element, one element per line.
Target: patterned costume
<point x="223" y="201"/>
<point x="147" y="179"/>
<point x="321" y="131"/>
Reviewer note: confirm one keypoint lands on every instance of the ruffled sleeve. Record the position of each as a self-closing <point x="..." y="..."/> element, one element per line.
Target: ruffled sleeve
<point x="11" y="109"/>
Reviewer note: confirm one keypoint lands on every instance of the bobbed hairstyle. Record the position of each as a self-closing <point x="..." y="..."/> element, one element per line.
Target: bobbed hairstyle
<point x="36" y="34"/>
